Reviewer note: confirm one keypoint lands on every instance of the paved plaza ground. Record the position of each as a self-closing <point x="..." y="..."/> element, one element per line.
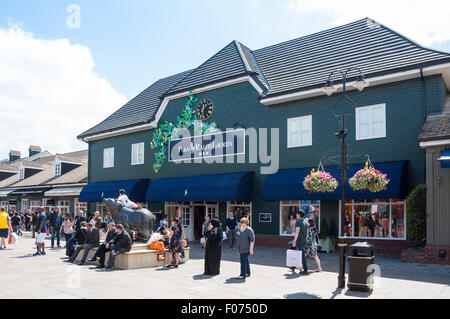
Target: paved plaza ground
<point x="25" y="276"/>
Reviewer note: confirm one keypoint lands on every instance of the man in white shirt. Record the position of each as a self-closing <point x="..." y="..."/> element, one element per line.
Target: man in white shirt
<point x="123" y="199"/>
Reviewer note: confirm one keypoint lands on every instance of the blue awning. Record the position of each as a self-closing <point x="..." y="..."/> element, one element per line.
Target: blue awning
<point x="95" y="192"/>
<point x="217" y="187"/>
<point x="445" y="159"/>
<point x="288" y="184"/>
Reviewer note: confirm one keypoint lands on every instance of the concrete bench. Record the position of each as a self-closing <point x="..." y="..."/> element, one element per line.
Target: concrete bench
<point x="138" y="257"/>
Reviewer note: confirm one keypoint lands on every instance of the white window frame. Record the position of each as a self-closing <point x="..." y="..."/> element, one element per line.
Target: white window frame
<point x="389" y="202"/>
<point x="80" y="206"/>
<point x="58" y="169"/>
<point x="25" y="204"/>
<point x="21" y="173"/>
<point x="299" y="119"/>
<point x="298" y="204"/>
<point x="108" y="157"/>
<point x="137" y="153"/>
<point x="240" y="204"/>
<point x="370" y="109"/>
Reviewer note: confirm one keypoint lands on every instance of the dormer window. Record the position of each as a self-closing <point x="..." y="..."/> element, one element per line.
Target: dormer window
<point x="21" y="173"/>
<point x="57" y="169"/>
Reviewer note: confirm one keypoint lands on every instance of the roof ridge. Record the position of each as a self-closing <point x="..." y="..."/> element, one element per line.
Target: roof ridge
<point x="243" y="58"/>
<point x="195" y="69"/>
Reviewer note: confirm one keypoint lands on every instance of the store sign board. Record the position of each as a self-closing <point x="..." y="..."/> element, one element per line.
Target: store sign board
<point x="265" y="217"/>
<point x="207" y="146"/>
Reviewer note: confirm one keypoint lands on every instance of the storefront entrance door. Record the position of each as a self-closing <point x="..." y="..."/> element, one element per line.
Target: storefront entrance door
<point x="199" y="218"/>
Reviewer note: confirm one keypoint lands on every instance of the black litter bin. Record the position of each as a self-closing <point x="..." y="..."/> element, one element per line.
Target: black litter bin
<point x="360" y="257"/>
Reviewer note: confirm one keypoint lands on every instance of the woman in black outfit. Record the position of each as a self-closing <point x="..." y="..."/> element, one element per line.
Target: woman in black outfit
<point x="213" y="250"/>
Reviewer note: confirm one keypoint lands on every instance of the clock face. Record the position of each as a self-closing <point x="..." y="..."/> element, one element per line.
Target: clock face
<point x="205" y="109"/>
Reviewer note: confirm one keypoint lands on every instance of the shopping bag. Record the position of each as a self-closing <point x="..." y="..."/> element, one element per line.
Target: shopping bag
<point x="10" y="239"/>
<point x="202" y="240"/>
<point x="48" y="232"/>
<point x="14" y="238"/>
<point x="224" y="235"/>
<point x="294" y="258"/>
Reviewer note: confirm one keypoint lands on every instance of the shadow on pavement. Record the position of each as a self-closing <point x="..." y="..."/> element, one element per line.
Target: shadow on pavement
<point x="301" y="295"/>
<point x="391" y="265"/>
<point x="234" y="280"/>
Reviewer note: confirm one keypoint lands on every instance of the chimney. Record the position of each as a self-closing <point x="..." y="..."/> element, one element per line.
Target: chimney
<point x="14" y="155"/>
<point x="33" y="150"/>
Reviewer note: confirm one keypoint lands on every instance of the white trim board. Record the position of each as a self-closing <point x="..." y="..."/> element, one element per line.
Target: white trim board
<point x="167" y="99"/>
<point x="434" y="143"/>
<point x="443" y="69"/>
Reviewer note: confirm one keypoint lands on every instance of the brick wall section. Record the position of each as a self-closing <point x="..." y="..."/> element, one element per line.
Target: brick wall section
<point x="383" y="247"/>
<point x="427" y="255"/>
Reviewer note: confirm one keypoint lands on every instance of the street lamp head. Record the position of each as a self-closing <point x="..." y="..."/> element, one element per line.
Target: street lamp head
<point x="360" y="83"/>
<point x="329" y="88"/>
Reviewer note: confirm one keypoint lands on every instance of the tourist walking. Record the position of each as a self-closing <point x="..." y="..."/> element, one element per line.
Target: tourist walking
<point x="34" y="218"/>
<point x="41" y="230"/>
<point x="175" y="245"/>
<point x="213" y="250"/>
<point x="67" y="228"/>
<point x="105" y="246"/>
<point x="244" y="245"/>
<point x="16" y="222"/>
<point x="55" y="221"/>
<point x="121" y="244"/>
<point x="27" y="220"/>
<point x="230" y="227"/>
<point x="5" y="227"/>
<point x="312" y="238"/>
<point x="301" y="229"/>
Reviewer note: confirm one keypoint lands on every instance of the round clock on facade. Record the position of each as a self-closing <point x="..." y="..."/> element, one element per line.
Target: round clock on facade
<point x="205" y="109"/>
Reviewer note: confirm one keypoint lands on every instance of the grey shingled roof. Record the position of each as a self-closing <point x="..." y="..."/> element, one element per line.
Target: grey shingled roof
<point x="292" y="66"/>
<point x="436" y="127"/>
<point x="306" y="62"/>
<point x="139" y="110"/>
<point x="226" y="64"/>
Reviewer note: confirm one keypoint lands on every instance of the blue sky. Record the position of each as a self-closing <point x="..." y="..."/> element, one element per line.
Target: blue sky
<point x="135" y="42"/>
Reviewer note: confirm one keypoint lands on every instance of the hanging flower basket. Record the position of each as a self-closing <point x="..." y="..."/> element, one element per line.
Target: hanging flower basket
<point x="369" y="178"/>
<point x="320" y="181"/>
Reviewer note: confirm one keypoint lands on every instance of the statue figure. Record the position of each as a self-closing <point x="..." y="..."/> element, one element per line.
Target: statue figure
<point x="140" y="220"/>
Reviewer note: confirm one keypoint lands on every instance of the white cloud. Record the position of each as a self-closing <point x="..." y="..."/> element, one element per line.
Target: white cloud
<point x="49" y="93"/>
<point x="426" y="22"/>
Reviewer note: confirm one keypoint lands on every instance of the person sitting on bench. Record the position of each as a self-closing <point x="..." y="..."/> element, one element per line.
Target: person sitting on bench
<point x="123" y="199"/>
<point x="121" y="244"/>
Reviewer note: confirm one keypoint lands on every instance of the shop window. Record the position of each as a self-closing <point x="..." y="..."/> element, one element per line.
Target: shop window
<point x="108" y="157"/>
<point x="80" y="206"/>
<point x="4" y="204"/>
<point x="35" y="204"/>
<point x="101" y="207"/>
<point x="137" y="154"/>
<point x="25" y="204"/>
<point x="240" y="209"/>
<point x="375" y="219"/>
<point x="370" y="122"/>
<point x="48" y="205"/>
<point x="288" y="211"/>
<point x="299" y="131"/>
<point x="64" y="206"/>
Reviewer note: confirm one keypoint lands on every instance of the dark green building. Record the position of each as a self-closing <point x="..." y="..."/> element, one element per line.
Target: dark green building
<point x="274" y="94"/>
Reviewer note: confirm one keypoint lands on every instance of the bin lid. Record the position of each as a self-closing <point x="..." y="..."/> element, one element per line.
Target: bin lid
<point x="362" y="245"/>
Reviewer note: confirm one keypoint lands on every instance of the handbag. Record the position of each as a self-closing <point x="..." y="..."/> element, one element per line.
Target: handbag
<point x="13" y="238"/>
<point x="294" y="258"/>
<point x="224" y="235"/>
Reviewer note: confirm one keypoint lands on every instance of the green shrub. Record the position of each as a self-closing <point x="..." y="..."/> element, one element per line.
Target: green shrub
<point x="416" y="213"/>
<point x="324" y="230"/>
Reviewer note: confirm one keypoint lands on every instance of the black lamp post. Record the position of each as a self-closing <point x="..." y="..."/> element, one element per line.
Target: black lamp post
<point x="329" y="89"/>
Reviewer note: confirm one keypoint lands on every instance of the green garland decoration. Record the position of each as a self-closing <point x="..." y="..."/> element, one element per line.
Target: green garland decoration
<point x="163" y="133"/>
